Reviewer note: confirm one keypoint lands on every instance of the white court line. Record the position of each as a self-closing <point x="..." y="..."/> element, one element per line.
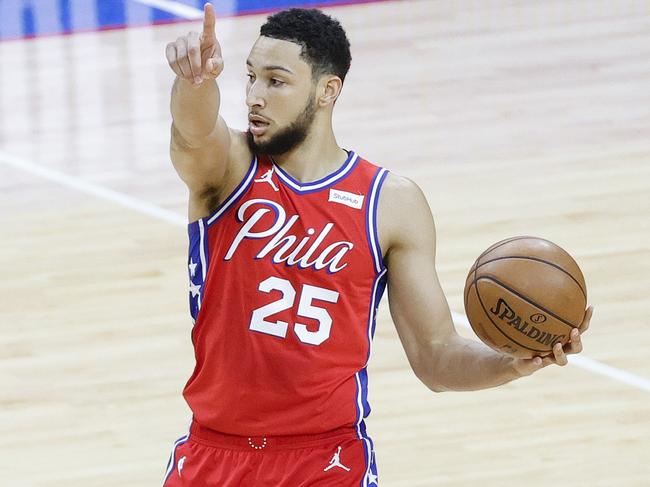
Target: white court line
<point x="171" y="217"/>
<point x="584" y="362"/>
<point x="94" y="189"/>
<point x="175" y="8"/>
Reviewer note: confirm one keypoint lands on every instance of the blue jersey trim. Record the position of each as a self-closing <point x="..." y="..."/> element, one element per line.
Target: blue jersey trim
<point x="327" y="181"/>
<point x="361" y="377"/>
<point x="232" y="197"/>
<point x="369" y="453"/>
<point x="171" y="463"/>
<point x="199" y="250"/>
<point x="371" y="219"/>
<point x="236" y="194"/>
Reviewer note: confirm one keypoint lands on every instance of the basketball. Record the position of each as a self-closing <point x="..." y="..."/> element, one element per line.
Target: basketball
<point x="523" y="295"/>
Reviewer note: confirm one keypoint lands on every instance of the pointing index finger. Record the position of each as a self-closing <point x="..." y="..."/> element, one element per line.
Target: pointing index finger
<point x="208" y="20"/>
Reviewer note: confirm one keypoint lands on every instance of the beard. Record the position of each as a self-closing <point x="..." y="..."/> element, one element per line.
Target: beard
<point x="289" y="137"/>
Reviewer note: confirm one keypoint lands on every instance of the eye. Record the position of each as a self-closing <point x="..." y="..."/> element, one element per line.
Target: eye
<point x="276" y="82"/>
<point x="251" y="77"/>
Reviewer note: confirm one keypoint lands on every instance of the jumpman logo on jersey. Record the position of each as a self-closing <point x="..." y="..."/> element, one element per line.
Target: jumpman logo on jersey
<point x="267" y="177"/>
<point x="336" y="462"/>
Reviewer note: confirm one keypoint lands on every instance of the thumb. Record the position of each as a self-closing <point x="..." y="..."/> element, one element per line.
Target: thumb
<point x="214" y="66"/>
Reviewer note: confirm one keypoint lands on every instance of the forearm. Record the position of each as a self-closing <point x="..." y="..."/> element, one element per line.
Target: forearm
<point x="461" y="364"/>
<point x="195" y="109"/>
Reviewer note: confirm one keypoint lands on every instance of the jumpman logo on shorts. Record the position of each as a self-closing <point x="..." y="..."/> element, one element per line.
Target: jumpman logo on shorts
<point x="336" y="462"/>
<point x="180" y="465"/>
<point x="267" y="177"/>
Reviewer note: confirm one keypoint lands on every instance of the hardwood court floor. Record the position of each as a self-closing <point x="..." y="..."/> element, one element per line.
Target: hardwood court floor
<point x="514" y="117"/>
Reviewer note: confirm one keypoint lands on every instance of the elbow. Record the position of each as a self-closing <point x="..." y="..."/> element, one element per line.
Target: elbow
<point x="437" y="388"/>
<point x="429" y="378"/>
<point x="434" y="386"/>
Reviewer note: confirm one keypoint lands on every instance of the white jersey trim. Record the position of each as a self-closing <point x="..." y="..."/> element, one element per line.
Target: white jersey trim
<point x="243" y="186"/>
<point x="306" y="187"/>
<point x="372" y="219"/>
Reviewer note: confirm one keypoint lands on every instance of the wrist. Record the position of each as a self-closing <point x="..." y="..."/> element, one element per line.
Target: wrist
<point x="512" y="372"/>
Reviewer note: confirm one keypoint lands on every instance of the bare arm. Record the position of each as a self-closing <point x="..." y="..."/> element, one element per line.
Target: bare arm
<point x="202" y="145"/>
<point x="442" y="359"/>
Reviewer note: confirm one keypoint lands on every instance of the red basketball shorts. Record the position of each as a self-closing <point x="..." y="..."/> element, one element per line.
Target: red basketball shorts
<point x="205" y="458"/>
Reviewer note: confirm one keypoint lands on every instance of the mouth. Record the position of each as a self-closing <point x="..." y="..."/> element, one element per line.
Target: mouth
<point x="257" y="125"/>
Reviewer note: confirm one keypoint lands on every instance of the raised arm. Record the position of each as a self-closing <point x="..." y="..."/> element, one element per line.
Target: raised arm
<point x="442" y="359"/>
<point x="201" y="142"/>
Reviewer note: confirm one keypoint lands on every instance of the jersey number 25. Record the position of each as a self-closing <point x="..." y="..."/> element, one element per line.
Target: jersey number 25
<point x="305" y="309"/>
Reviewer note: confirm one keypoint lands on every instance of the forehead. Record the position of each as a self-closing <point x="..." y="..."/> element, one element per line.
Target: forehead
<point x="275" y="52"/>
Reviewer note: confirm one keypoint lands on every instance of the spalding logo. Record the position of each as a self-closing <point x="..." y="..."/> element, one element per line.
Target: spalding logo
<point x="505" y="313"/>
<point x="538" y="318"/>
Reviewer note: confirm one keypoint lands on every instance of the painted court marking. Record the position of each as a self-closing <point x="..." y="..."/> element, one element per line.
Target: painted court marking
<point x="176" y="8"/>
<point x="171" y="217"/>
<point x="584" y="362"/>
<point x="93" y="189"/>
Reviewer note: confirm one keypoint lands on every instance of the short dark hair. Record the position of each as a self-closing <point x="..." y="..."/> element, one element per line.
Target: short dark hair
<point x="325" y="45"/>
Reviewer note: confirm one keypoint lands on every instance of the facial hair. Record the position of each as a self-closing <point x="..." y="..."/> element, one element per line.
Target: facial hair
<point x="287" y="138"/>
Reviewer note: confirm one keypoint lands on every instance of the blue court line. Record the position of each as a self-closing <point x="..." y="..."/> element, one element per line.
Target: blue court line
<point x="24" y="19"/>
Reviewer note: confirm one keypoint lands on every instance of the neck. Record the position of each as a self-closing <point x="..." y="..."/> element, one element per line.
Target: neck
<point x="316" y="157"/>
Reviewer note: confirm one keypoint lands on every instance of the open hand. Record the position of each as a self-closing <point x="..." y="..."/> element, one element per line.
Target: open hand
<point x="195" y="57"/>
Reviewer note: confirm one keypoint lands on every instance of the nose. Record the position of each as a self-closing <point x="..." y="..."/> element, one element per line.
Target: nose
<point x="254" y="96"/>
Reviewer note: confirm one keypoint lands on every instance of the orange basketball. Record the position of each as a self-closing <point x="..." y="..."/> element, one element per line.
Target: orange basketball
<point x="523" y="295"/>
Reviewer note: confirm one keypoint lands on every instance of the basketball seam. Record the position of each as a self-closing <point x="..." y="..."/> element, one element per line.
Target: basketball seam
<point x="584" y="294"/>
<point x="528" y="300"/>
<point x="508" y="240"/>
<point x="486" y="313"/>
<point x="496" y="246"/>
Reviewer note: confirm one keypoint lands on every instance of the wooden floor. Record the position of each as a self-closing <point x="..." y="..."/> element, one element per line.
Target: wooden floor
<point x="514" y="117"/>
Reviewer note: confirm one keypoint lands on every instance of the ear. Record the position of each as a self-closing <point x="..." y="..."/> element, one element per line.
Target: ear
<point x="329" y="89"/>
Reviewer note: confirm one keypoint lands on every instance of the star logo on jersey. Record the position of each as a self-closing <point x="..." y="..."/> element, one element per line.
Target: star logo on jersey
<point x="371" y="475"/>
<point x="372" y="479"/>
<point x="194" y="289"/>
<point x="192" y="267"/>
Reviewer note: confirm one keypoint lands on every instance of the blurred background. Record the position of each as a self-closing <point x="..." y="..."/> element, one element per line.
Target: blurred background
<point x="514" y="117"/>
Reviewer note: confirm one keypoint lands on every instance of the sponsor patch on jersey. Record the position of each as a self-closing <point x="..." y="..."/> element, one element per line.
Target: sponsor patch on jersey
<point x="345" y="198"/>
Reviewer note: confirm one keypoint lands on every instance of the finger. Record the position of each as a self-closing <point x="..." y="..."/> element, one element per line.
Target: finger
<point x="584" y="326"/>
<point x="575" y="343"/>
<point x="209" y="20"/>
<point x="170" y="52"/>
<point x="194" y="55"/>
<point x="181" y="57"/>
<point x="559" y="355"/>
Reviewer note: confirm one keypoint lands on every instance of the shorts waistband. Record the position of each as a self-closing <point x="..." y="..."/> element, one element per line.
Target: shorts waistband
<point x="210" y="437"/>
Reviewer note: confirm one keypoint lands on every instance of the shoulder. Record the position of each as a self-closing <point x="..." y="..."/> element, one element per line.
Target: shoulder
<point x="239" y="161"/>
<point x="404" y="213"/>
<point x="396" y="185"/>
<point x="400" y="194"/>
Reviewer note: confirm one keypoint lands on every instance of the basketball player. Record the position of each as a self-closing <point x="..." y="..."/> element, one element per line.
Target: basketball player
<point x="292" y="242"/>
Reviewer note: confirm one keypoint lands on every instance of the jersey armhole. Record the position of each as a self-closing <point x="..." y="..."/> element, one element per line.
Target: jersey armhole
<point x="199" y="250"/>
<point x="371" y="219"/>
<point x="230" y="199"/>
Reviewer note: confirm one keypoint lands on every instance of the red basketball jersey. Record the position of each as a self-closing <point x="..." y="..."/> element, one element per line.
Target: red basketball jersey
<point x="285" y="280"/>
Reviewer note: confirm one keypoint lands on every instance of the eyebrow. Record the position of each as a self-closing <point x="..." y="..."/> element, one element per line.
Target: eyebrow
<point x="272" y="67"/>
